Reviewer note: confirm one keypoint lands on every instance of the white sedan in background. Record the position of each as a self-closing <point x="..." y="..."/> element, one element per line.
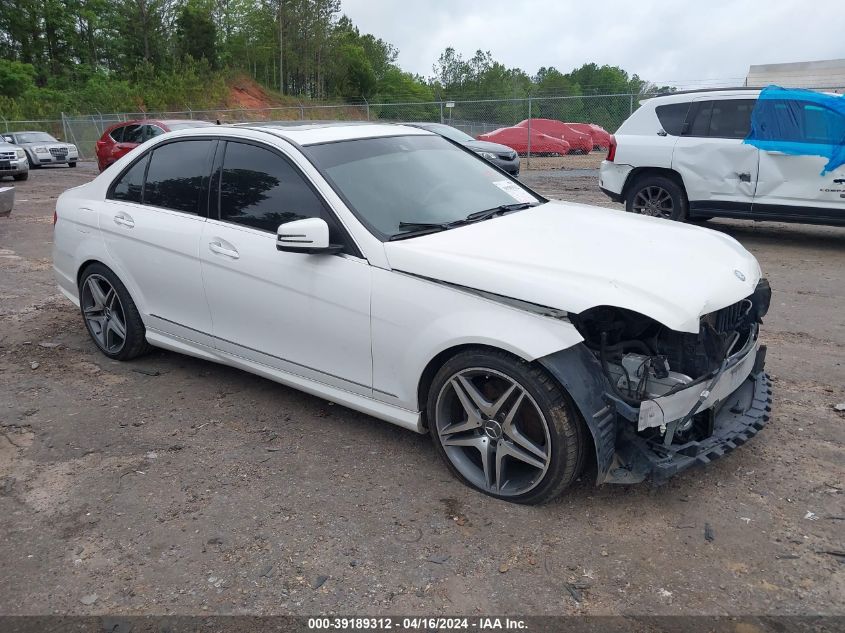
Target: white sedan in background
<point x="390" y="270"/>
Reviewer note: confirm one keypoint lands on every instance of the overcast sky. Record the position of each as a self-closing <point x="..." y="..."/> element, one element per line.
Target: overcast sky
<point x="682" y="42"/>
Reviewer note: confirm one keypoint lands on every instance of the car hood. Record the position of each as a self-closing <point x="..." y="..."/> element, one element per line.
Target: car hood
<point x="487" y="146"/>
<point x="47" y="144"/>
<point x="573" y="257"/>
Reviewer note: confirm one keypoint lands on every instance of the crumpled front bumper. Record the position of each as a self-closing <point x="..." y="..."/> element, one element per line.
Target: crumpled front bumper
<point x="625" y="457"/>
<point x="738" y="418"/>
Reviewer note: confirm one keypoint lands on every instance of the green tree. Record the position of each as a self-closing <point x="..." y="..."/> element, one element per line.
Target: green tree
<point x="15" y="78"/>
<point x="196" y="33"/>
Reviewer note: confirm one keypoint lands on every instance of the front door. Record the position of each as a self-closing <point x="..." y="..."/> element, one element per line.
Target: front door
<point x="308" y="315"/>
<point x="795" y="179"/>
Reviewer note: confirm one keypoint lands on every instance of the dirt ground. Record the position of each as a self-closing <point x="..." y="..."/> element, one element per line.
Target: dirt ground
<point x="170" y="485"/>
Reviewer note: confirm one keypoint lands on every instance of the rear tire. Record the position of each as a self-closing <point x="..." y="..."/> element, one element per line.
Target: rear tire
<point x="111" y="317"/>
<point x="505" y="427"/>
<point x="657" y="196"/>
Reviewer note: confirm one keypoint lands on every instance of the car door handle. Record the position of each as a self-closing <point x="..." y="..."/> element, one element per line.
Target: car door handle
<point x="746" y="177"/>
<point x="124" y="219"/>
<point x="217" y="247"/>
<point x="839" y="181"/>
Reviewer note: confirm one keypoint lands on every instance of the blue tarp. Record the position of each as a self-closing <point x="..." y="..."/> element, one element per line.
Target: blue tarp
<point x="800" y="123"/>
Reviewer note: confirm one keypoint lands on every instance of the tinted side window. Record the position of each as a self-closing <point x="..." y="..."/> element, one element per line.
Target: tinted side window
<point x="117" y="133"/>
<point x="151" y="131"/>
<point x="176" y="176"/>
<point x="131" y="184"/>
<point x="133" y="134"/>
<point x="823" y="125"/>
<point x="672" y="117"/>
<point x="701" y="123"/>
<point x="258" y="188"/>
<point x="731" y="118"/>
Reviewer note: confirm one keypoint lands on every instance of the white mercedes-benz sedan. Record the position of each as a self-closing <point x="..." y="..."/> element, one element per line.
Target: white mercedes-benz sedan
<point x="392" y="271"/>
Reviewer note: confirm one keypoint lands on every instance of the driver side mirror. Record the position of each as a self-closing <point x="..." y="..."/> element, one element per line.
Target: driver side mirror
<point x="309" y="235"/>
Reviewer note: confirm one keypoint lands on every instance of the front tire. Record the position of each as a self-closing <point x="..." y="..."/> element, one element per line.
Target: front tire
<point x="110" y="315"/>
<point x="24" y="176"/>
<point x="505" y="427"/>
<point x="657" y="196"/>
<point x="71" y="164"/>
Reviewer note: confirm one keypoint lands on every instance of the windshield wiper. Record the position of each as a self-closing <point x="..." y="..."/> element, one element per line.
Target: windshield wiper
<point x="486" y="214"/>
<point x="425" y="228"/>
<point x="419" y="228"/>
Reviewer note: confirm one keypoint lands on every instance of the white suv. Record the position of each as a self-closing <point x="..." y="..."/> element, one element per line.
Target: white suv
<point x="689" y="156"/>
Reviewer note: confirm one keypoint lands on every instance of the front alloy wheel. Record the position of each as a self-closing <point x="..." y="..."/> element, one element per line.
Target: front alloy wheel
<point x="493" y="432"/>
<point x="505" y="427"/>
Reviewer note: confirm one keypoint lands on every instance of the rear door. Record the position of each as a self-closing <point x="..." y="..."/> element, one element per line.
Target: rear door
<point x="719" y="170"/>
<point x="793" y="181"/>
<point x="152" y="223"/>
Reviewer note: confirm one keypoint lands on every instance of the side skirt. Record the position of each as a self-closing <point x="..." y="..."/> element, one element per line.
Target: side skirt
<point x="410" y="420"/>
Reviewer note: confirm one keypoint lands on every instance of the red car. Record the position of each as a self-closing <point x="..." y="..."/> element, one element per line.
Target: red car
<point x="600" y="136"/>
<point x="517" y="139"/>
<point x="122" y="138"/>
<point x="580" y="142"/>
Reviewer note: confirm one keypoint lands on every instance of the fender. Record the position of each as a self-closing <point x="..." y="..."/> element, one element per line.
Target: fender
<point x="399" y="299"/>
<point x="579" y="372"/>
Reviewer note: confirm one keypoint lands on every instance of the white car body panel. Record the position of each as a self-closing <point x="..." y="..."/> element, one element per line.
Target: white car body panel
<point x="552" y="256"/>
<point x="415" y="319"/>
<point x="157" y="258"/>
<point x="795" y="180"/>
<point x="298" y="313"/>
<point x="711" y="168"/>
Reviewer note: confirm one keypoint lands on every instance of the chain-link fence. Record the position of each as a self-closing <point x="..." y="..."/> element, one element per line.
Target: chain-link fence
<point x="475" y="117"/>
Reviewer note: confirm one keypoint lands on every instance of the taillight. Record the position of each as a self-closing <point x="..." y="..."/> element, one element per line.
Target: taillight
<point x="55" y="218"/>
<point x="611" y="150"/>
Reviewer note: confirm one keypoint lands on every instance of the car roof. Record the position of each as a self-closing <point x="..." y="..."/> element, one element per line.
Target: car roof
<point x="314" y="132"/>
<point x="689" y="95"/>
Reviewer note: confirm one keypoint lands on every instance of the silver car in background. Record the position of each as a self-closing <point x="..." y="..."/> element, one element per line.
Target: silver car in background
<point x="42" y="149"/>
<point x="13" y="162"/>
<point x="501" y="156"/>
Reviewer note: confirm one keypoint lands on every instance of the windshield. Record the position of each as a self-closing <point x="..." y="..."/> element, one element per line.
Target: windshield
<point x="449" y="132"/>
<point x="413" y="180"/>
<point x="35" y="137"/>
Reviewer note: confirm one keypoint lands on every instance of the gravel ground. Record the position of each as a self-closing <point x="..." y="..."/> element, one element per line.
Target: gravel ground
<point x="173" y="485"/>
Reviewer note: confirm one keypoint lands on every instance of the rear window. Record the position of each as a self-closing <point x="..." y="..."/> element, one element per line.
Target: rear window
<point x="672" y="117"/>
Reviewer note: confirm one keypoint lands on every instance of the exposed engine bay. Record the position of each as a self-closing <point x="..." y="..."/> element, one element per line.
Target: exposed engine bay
<point x="643" y="360"/>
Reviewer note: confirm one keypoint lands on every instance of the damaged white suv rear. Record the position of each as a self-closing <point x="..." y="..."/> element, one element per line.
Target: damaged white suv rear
<point x="392" y="271"/>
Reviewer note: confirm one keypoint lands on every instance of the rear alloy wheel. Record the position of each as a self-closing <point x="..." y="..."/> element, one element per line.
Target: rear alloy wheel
<point x="110" y="315"/>
<point x="505" y="427"/>
<point x="659" y="197"/>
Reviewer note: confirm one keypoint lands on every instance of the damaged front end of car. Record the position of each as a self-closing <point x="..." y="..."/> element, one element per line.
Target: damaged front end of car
<point x="659" y="401"/>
